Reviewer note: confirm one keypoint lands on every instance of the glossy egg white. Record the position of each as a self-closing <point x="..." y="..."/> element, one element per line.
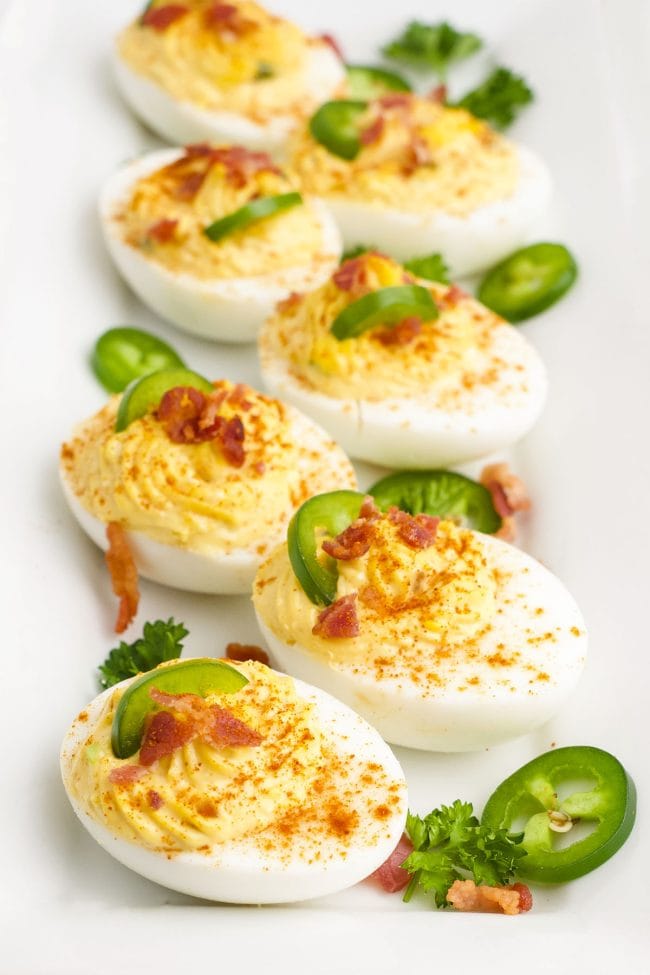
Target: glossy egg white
<point x="226" y="310"/>
<point x="414" y="432"/>
<point x="181" y="122"/>
<point x="468" y="244"/>
<point x="505" y="702"/>
<point x="217" y="572"/>
<point x="240" y="872"/>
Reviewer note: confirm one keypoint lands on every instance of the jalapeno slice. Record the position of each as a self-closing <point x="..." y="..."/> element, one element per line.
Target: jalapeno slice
<point x="442" y="493"/>
<point x="532" y="793"/>
<point x="529" y="281"/>
<point x="335" y="126"/>
<point x="260" y="209"/>
<point x="200" y="676"/>
<point x="384" y="307"/>
<point x="366" y="82"/>
<point x="333" y="512"/>
<point x="144" y="394"/>
<point x="123" y="354"/>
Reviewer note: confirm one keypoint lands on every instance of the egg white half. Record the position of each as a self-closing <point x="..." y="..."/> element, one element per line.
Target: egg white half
<point x="227" y="310"/>
<point x="183" y="122"/>
<point x="241" y="872"/>
<point x="506" y="702"/>
<point x="414" y="432"/>
<point x="468" y="244"/>
<point x="217" y="572"/>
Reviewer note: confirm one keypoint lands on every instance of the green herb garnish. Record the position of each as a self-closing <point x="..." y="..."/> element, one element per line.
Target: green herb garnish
<point x="159" y="641"/>
<point x="432" y="268"/>
<point x="356" y="252"/>
<point x="264" y="70"/>
<point x="432" y="46"/>
<point x="499" y="99"/>
<point x="450" y="844"/>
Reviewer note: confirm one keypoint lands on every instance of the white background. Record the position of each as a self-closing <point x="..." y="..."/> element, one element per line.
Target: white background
<point x="65" y="906"/>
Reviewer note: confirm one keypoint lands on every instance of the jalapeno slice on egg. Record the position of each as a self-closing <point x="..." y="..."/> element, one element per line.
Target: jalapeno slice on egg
<point x="331" y="513"/>
<point x="201" y="676"/>
<point x="388" y="306"/>
<point x="335" y="126"/>
<point x="530" y="798"/>
<point x="366" y="82"/>
<point x="123" y="354"/>
<point x="529" y="281"/>
<point x="260" y="209"/>
<point x="445" y="494"/>
<point x="143" y="395"/>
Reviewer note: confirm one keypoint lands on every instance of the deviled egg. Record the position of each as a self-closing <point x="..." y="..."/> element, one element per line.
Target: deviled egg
<point x="202" y="480"/>
<point x="443" y="638"/>
<point x="261" y="789"/>
<point x="402" y="372"/>
<point x="223" y="71"/>
<point x="410" y="176"/>
<point x="211" y="238"/>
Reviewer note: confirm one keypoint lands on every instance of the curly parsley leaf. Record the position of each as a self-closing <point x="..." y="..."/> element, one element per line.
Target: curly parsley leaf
<point x="431" y="268"/>
<point x="160" y="641"/>
<point x="356" y="252"/>
<point x="432" y="46"/>
<point x="499" y="99"/>
<point x="450" y="844"/>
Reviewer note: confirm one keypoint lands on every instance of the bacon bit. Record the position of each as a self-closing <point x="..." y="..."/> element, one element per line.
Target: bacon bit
<point x="160" y="18"/>
<point x="400" y="334"/>
<point x="232" y="441"/>
<point x="163" y="231"/>
<point x="438" y="94"/>
<point x="247" y="651"/>
<point x="452" y="297"/>
<point x="525" y="897"/>
<point x="126" y="774"/>
<point x="391" y="876"/>
<point x="396" y="100"/>
<point x="334" y="44"/>
<point x="237" y="397"/>
<point x="339" y="620"/>
<point x="154" y="799"/>
<point x="464" y="895"/>
<point x="417" y="531"/>
<point x="124" y="574"/>
<point x="509" y="495"/>
<point x="189" y="186"/>
<point x="228" y="19"/>
<point x="292" y="299"/>
<point x="351" y="543"/>
<point x="369" y="510"/>
<point x="372" y="598"/>
<point x="180" y="411"/>
<point x="373" y="132"/>
<point x="198" y="149"/>
<point x="163" y="734"/>
<point x="241" y="164"/>
<point x="227" y="730"/>
<point x="352" y="275"/>
<point x="418" y="154"/>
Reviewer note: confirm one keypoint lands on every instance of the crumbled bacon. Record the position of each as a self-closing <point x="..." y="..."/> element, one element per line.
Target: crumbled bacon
<point x="416" y="531"/>
<point x="154" y="799"/>
<point x="124" y="574"/>
<point x="163" y="231"/>
<point x="163" y="734"/>
<point x="126" y="774"/>
<point x="351" y="274"/>
<point x="246" y="651"/>
<point x="232" y="441"/>
<point x="400" y="334"/>
<point x="372" y="598"/>
<point x="160" y="18"/>
<point x="369" y="509"/>
<point x="339" y="620"/>
<point x="227" y="730"/>
<point x="189" y="416"/>
<point x="241" y="164"/>
<point x="438" y="94"/>
<point x="293" y="299"/>
<point x="509" y="495"/>
<point x="418" y="154"/>
<point x="189" y="186"/>
<point x="395" y="100"/>
<point x="373" y="132"/>
<point x="391" y="876"/>
<point x="352" y="543"/>
<point x="465" y="895"/>
<point x="330" y="40"/>
<point x="238" y="397"/>
<point x="452" y="296"/>
<point x="228" y="19"/>
<point x="197" y="149"/>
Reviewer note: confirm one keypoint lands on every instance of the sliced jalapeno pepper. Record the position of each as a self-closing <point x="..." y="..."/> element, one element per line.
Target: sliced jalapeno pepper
<point x="144" y="394"/>
<point x="123" y="354"/>
<point x="335" y="126"/>
<point x="260" y="209"/>
<point x="442" y="493"/>
<point x="532" y="792"/>
<point x="529" y="281"/>
<point x="201" y="676"/>
<point x="366" y="82"/>
<point x="333" y="512"/>
<point x="384" y="307"/>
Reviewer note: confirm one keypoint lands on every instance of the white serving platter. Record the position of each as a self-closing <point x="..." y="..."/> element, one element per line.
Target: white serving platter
<point x="65" y="906"/>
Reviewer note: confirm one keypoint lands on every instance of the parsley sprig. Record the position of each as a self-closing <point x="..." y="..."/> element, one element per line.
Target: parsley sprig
<point x="450" y="844"/>
<point x="432" y="46"/>
<point x="499" y="98"/>
<point x="159" y="641"/>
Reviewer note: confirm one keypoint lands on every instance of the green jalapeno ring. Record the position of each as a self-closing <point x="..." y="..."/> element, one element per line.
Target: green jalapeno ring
<point x="444" y="494"/>
<point x="384" y="307"/>
<point x="260" y="209"/>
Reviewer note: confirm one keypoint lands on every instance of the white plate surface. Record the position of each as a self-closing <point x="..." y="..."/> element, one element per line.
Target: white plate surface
<point x="66" y="906"/>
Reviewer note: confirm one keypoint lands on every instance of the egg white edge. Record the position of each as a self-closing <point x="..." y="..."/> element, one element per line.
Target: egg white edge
<point x="468" y="244"/>
<point x="304" y="880"/>
<point x="448" y="721"/>
<point x="228" y="310"/>
<point x="220" y="573"/>
<point x="183" y="122"/>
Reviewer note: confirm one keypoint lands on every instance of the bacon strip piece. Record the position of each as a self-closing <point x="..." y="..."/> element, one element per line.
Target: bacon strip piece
<point x="373" y="132"/>
<point x="330" y="40"/>
<point x="126" y="774"/>
<point x="465" y="895"/>
<point x="509" y="495"/>
<point x="396" y="100"/>
<point x="124" y="574"/>
<point x="189" y="416"/>
<point x="417" y="531"/>
<point x="246" y="651"/>
<point x="163" y="734"/>
<point x="225" y="18"/>
<point x="438" y="94"/>
<point x="452" y="297"/>
<point x="225" y="729"/>
<point x="351" y="543"/>
<point x="160" y="18"/>
<point x="293" y="299"/>
<point x="232" y="441"/>
<point x="163" y="231"/>
<point x="351" y="275"/>
<point x="402" y="333"/>
<point x="339" y="620"/>
<point x="190" y="186"/>
<point x="391" y="876"/>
